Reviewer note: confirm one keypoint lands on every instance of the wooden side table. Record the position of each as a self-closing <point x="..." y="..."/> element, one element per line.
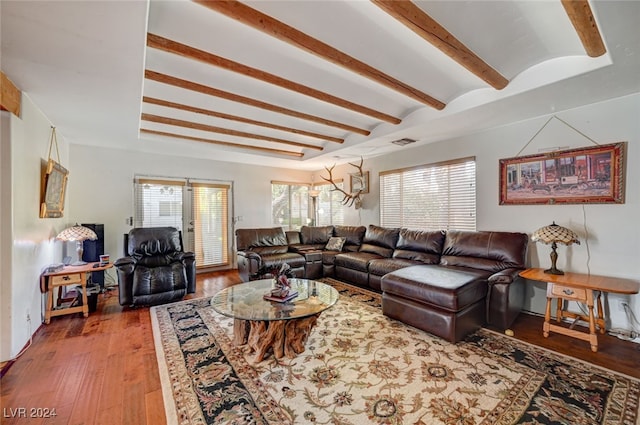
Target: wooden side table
<point x="69" y="275"/>
<point x="581" y="288"/>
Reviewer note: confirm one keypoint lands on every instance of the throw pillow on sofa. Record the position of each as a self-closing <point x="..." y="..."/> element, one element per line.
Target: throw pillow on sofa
<point x="335" y="243"/>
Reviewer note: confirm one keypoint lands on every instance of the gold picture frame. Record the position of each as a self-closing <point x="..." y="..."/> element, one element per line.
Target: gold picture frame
<point x="595" y="174"/>
<point x="359" y="182"/>
<point x="54" y="178"/>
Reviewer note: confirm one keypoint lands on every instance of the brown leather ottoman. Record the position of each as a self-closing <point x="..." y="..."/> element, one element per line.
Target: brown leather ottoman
<point x="445" y="301"/>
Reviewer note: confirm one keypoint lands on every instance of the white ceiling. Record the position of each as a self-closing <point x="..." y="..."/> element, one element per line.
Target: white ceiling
<point x="83" y="63"/>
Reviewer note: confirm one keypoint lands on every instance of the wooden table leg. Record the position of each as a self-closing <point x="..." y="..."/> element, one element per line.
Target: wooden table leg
<point x="85" y="303"/>
<point x="600" y="320"/>
<point x="47" y="313"/>
<point x="593" y="337"/>
<point x="547" y="317"/>
<point x="559" y="309"/>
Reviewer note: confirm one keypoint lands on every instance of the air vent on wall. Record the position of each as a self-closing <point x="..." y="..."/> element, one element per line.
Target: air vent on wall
<point x="403" y="142"/>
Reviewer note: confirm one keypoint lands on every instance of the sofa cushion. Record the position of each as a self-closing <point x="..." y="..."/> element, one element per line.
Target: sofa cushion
<point x="151" y="241"/>
<point x="266" y="237"/>
<point x="377" y="250"/>
<point x="382" y="266"/>
<point x="315" y="234"/>
<point x="446" y="287"/>
<point x="354" y="235"/>
<point x="381" y="236"/>
<point x="335" y="243"/>
<point x="355" y="260"/>
<point x="154" y="280"/>
<point x="420" y="245"/>
<point x="301" y="248"/>
<point x="491" y="251"/>
<point x="380" y="240"/>
<point x="293" y="237"/>
<point x="291" y="258"/>
<point x="267" y="250"/>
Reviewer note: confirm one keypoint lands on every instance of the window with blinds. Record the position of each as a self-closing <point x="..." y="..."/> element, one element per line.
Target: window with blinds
<point x="433" y="196"/>
<point x="290" y="205"/>
<point x="329" y="204"/>
<point x="210" y="203"/>
<point x="158" y="203"/>
<point x="199" y="209"/>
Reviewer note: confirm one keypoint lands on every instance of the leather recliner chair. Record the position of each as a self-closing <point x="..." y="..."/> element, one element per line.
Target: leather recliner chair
<point x="156" y="270"/>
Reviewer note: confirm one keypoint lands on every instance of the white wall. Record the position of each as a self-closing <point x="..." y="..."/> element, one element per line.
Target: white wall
<point x="5" y="234"/>
<point x="610" y="233"/>
<point x="101" y="187"/>
<point x="29" y="240"/>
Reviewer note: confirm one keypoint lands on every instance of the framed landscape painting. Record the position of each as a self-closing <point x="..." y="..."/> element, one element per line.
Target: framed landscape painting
<point x="574" y="176"/>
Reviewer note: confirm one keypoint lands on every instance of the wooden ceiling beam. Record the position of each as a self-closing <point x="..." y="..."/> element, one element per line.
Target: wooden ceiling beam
<point x="584" y="22"/>
<point x="227" y="131"/>
<point x="10" y="96"/>
<point x="426" y="27"/>
<point x="288" y="34"/>
<point x="189" y="52"/>
<point x="190" y="85"/>
<point x="223" y="143"/>
<point x="222" y="115"/>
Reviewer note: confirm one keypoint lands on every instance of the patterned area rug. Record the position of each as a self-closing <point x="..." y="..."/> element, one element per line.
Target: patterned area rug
<point x="360" y="367"/>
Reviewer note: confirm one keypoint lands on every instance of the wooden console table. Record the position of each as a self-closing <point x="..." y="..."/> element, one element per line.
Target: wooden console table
<point x="69" y="275"/>
<point x="581" y="288"/>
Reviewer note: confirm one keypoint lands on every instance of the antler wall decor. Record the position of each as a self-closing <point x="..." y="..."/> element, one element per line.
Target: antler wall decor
<point x="353" y="198"/>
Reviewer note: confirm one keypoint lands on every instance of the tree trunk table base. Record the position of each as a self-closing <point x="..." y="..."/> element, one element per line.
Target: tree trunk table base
<point x="282" y="337"/>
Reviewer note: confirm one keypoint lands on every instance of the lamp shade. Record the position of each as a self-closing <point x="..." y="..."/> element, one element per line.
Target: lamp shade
<point x="555" y="233"/>
<point x="77" y="233"/>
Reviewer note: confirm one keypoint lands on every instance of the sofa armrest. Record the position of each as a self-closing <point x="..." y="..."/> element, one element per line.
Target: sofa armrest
<point x="505" y="276"/>
<point x="505" y="297"/>
<point x="249" y="262"/>
<point x="250" y="255"/>
<point x="189" y="261"/>
<point x="125" y="267"/>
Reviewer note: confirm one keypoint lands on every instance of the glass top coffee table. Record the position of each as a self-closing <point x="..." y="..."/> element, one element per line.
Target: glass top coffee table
<point x="281" y="327"/>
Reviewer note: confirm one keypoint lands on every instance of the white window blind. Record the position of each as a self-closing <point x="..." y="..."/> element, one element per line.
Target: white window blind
<point x="290" y="205"/>
<point x="210" y="221"/>
<point x="200" y="209"/>
<point x="433" y="196"/>
<point x="158" y="203"/>
<point x="330" y="208"/>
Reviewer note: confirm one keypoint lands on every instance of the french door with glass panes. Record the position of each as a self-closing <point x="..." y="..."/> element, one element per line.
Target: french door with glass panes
<point x="199" y="208"/>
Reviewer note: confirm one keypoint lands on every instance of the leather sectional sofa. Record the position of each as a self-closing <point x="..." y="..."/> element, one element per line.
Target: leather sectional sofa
<point x="303" y="250"/>
<point x="447" y="283"/>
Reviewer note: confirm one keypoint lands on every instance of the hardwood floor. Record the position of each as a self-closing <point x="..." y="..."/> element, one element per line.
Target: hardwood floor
<point x="103" y="369"/>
